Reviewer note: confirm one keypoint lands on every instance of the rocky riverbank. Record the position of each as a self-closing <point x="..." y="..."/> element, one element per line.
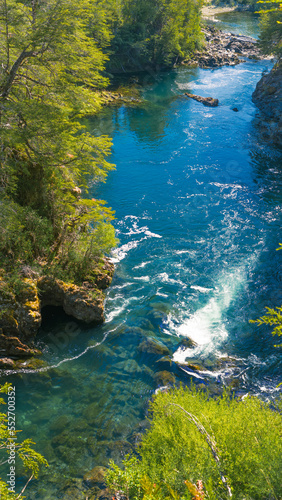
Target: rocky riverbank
<point x="224" y="49"/>
<point x="21" y="307"/>
<point x="268" y="98"/>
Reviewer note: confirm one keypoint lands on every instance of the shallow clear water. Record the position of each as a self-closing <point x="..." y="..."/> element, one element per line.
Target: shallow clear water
<point x="198" y="214"/>
<point x="240" y="23"/>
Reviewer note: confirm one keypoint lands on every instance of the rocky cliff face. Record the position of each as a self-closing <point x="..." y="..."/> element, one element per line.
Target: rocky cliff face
<point x="21" y="306"/>
<point x="268" y="98"/>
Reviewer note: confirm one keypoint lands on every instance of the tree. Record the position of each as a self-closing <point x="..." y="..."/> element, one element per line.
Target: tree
<point x="51" y="76"/>
<point x="270" y="38"/>
<point x="156" y="33"/>
<point x="273" y="316"/>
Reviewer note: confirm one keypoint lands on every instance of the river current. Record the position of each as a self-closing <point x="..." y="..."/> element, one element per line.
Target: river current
<point x="197" y="197"/>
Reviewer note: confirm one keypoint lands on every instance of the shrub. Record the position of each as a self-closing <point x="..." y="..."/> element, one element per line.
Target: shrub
<point x="245" y="434"/>
<point x="30" y="459"/>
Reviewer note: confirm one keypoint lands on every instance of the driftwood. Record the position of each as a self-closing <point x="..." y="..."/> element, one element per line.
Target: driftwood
<point x="206" y="101"/>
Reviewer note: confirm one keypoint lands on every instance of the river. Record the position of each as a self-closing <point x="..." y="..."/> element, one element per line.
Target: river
<point x="197" y="197"/>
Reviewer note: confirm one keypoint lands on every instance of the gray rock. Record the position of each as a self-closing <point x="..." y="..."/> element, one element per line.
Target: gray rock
<point x="268" y="98"/>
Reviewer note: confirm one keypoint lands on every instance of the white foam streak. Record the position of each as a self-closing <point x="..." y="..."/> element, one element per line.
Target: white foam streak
<point x="206" y="326"/>
<point x="120" y="253"/>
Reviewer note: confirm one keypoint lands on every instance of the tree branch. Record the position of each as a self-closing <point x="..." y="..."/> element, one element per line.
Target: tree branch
<point x="19" y="496"/>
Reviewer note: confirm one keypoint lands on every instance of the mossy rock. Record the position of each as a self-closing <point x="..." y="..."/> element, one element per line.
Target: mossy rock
<point x="72" y="490"/>
<point x="31" y="364"/>
<point x="151" y="346"/>
<point x="234" y="384"/>
<point x="122" y="447"/>
<point x="91" y="413"/>
<point x="69" y="440"/>
<point x="195" y="367"/>
<point x="165" y="362"/>
<point x="59" y="424"/>
<point x="186" y="343"/>
<point x="95" y="477"/>
<point x="7" y="363"/>
<point x="80" y="425"/>
<point x="164" y="378"/>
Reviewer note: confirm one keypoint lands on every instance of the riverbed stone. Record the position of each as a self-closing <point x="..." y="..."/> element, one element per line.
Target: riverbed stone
<point x="60" y="423"/>
<point x="164" y="378"/>
<point x="151" y="346"/>
<point x="95" y="477"/>
<point x="91" y="413"/>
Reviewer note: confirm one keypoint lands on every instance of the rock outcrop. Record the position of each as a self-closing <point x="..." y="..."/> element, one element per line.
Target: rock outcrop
<point x="83" y="304"/>
<point x="21" y="306"/>
<point x="268" y="98"/>
<point x="206" y="101"/>
<point x="224" y="49"/>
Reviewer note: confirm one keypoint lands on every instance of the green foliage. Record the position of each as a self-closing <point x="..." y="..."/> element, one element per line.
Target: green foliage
<point x="50" y="76"/>
<point x="273" y="317"/>
<point x="246" y="433"/>
<point x="270" y="38"/>
<point x="31" y="460"/>
<point x="158" y="33"/>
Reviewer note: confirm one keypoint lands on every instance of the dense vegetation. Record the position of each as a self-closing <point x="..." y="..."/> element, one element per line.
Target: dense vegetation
<point x="152" y="34"/>
<point x="49" y="77"/>
<point x="271" y="27"/>
<point x="200" y="447"/>
<point x="53" y="57"/>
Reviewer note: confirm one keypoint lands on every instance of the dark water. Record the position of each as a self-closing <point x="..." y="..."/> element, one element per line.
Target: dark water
<point x="198" y="215"/>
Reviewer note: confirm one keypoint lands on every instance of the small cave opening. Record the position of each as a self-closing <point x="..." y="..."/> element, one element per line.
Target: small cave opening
<point x="52" y="317"/>
<point x="58" y="329"/>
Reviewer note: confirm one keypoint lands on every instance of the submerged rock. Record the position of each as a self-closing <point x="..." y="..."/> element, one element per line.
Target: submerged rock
<point x="95" y="477"/>
<point x="186" y="343"/>
<point x="164" y="378"/>
<point x="151" y="346"/>
<point x="206" y="101"/>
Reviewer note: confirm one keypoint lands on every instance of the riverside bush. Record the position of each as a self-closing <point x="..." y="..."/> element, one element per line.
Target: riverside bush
<point x="246" y="435"/>
<point x="24" y="452"/>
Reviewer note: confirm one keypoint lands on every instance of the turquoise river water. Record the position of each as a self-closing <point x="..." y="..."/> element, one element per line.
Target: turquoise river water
<point x="197" y="197"/>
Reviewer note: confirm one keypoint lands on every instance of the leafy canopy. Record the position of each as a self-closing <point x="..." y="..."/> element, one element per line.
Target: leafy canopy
<point x="51" y="76"/>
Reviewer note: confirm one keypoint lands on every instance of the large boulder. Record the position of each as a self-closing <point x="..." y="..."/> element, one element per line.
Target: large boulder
<point x="268" y="98"/>
<point x="21" y="303"/>
<point x="86" y="305"/>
